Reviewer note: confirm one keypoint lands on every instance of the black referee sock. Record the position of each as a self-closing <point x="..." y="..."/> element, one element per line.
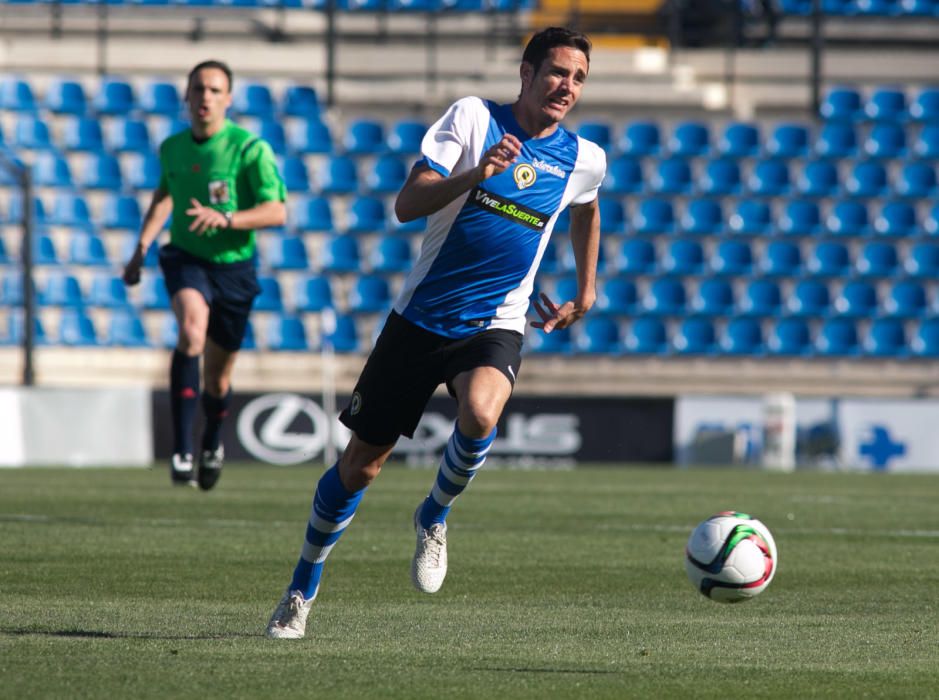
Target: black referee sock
<point x="184" y="397"/>
<point x="216" y="410"/>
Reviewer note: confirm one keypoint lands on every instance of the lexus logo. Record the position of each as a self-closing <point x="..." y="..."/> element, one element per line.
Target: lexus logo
<point x="283" y="428"/>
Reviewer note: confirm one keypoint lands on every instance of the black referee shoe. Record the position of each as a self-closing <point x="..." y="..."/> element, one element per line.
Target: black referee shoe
<point x="210" y="467"/>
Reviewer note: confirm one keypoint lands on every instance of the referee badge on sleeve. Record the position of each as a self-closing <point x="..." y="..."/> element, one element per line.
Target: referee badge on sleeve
<point x="219" y="192"/>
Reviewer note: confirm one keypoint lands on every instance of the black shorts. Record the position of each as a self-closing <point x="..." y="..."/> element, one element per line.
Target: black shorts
<point x="229" y="290"/>
<point x="407" y="365"/>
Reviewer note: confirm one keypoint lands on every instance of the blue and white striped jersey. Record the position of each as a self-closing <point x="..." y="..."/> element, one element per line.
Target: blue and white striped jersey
<point x="480" y="254"/>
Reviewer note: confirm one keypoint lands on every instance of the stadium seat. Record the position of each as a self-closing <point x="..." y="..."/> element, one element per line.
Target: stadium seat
<point x="366" y="215"/>
<point x="121" y="211"/>
<point x="102" y="171"/>
<point x="550" y="260"/>
<point x="273" y="132"/>
<point x="732" y="257"/>
<point x="51" y="170"/>
<point x="931" y="222"/>
<point x="877" y="259"/>
<point x="82" y="134"/>
<point x="15" y="328"/>
<point x="848" y="218"/>
<point x="751" y="218"/>
<point x="339" y="176"/>
<point x="270" y="297"/>
<point x="819" y="178"/>
<point x="16" y="95"/>
<point x="564" y="288"/>
<point x="108" y="292"/>
<point x="311" y="214"/>
<point x="32" y="134"/>
<point x="769" y="178"/>
<point x="160" y="97"/>
<point x="311" y="136"/>
<point x="790" y="336"/>
<point x="390" y="255"/>
<point x="616" y="296"/>
<point x="128" y="136"/>
<point x="702" y="217"/>
<point x="715" y="297"/>
<point x="740" y="140"/>
<point x="5" y="258"/>
<point x="15" y="210"/>
<point x="742" y="336"/>
<point x="153" y="294"/>
<point x="922" y="261"/>
<point x="689" y="140"/>
<point x="151" y="260"/>
<point x="788" y="141"/>
<point x="896" y="219"/>
<point x="837" y="337"/>
<point x="925" y="105"/>
<point x="720" y="177"/>
<point x="294" y="172"/>
<point x="125" y="329"/>
<point x="65" y="97"/>
<point x="71" y="211"/>
<point x="115" y="96"/>
<point x="761" y="297"/>
<point x="866" y="179"/>
<point x="916" y="180"/>
<point x="162" y="127"/>
<point x="781" y="259"/>
<point x="286" y="253"/>
<point x="300" y="101"/>
<point x="598" y="132"/>
<point x="340" y="254"/>
<point x="286" y="334"/>
<point x="312" y="294"/>
<point x="76" y="329"/>
<point x="253" y="100"/>
<point x="886" y="337"/>
<point x="885" y="141"/>
<point x="641" y="139"/>
<point x="636" y="256"/>
<point x="925" y="339"/>
<point x="623" y="176"/>
<point x="906" y="299"/>
<point x="143" y="170"/>
<point x="405" y="137"/>
<point x="810" y="297"/>
<point x="612" y="216"/>
<point x="694" y="336"/>
<point x="683" y="257"/>
<point x="58" y="289"/>
<point x="87" y="249"/>
<point x="886" y="105"/>
<point x="568" y="261"/>
<point x="598" y="335"/>
<point x="11" y="289"/>
<point x="563" y="223"/>
<point x="842" y="104"/>
<point x="44" y="251"/>
<point x="646" y="336"/>
<point x="665" y="296"/>
<point x="364" y="137"/>
<point x="345" y="337"/>
<point x="927" y="142"/>
<point x="829" y="259"/>
<point x="857" y="299"/>
<point x="387" y="175"/>
<point x="557" y="342"/>
<point x="654" y="216"/>
<point x="836" y="140"/>
<point x="799" y="217"/>
<point x="671" y="176"/>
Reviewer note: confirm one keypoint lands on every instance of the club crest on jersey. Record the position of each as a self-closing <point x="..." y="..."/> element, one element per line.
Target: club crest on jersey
<point x="218" y="192"/>
<point x="524" y="175"/>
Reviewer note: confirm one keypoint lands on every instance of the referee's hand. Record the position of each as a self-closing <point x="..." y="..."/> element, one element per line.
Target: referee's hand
<point x="205" y="218"/>
<point x="131" y="274"/>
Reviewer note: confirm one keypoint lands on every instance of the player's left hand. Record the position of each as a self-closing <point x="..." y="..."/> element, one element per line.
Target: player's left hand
<point x="554" y="316"/>
<point x="204" y="218"/>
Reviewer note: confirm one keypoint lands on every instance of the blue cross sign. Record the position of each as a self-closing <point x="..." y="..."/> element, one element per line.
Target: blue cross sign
<point x="880" y="448"/>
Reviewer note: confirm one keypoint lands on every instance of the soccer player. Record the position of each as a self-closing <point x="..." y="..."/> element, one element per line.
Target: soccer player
<point x="220" y="183"/>
<point x="493" y="179"/>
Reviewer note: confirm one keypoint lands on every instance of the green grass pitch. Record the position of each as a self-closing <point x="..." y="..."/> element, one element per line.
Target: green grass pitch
<point x="562" y="584"/>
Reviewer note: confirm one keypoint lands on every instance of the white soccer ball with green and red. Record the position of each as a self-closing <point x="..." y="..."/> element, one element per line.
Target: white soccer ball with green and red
<point x="731" y="557"/>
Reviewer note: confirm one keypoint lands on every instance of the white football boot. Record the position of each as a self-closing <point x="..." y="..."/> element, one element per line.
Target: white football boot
<point x="429" y="566"/>
<point x="289" y="618"/>
<point x="181" y="470"/>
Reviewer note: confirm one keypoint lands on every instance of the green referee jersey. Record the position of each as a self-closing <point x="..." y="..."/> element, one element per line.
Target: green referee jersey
<point x="232" y="170"/>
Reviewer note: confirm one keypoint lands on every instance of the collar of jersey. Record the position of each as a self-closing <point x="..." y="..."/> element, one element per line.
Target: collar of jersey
<point x="513" y="127"/>
<point x="200" y="144"/>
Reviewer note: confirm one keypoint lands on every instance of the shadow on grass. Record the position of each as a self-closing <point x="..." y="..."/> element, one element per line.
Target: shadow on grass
<point x="99" y="634"/>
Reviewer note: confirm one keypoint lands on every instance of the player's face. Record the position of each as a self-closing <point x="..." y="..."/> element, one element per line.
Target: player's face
<point x="556" y="87"/>
<point x="209" y="96"/>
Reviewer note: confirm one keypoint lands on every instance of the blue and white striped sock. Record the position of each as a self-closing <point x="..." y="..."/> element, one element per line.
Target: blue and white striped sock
<point x="333" y="509"/>
<point x="461" y="460"/>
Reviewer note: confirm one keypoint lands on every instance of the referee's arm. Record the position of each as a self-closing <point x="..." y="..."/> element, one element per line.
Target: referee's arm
<point x="161" y="206"/>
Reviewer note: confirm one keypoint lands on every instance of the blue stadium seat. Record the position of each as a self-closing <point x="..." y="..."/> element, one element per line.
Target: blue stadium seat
<point x="781" y="259"/>
<point x="270" y="297"/>
<point x="557" y="342"/>
<point x="162" y="127"/>
<point x="58" y="289"/>
<point x="32" y="134"/>
<point x="143" y="170"/>
<point x="15" y="210"/>
<point x="563" y="223"/>
<point x="364" y="137"/>
<point x="842" y="104"/>
<point x="623" y="176"/>
<point x="720" y="177"/>
<point x="683" y="257"/>
<point x="906" y="299"/>
<point x="340" y="254"/>
<point x="405" y="137"/>
<point x="836" y="140"/>
<point x="15" y="328"/>
<point x="769" y="178"/>
<point x="115" y="96"/>
<point x="799" y="217"/>
<point x="387" y="175"/>
<point x="732" y="257"/>
<point x="689" y="140"/>
<point x="612" y="216"/>
<point x="671" y="176"/>
<point x="311" y="214"/>
<point x="640" y="139"/>
<point x="51" y="170"/>
<point x="927" y="142"/>
<point x="125" y="329"/>
<point x="666" y="297"/>
<point x="922" y="260"/>
<point x="703" y="217"/>
<point x="88" y="249"/>
<point x="760" y="297"/>
<point x="925" y="105"/>
<point x="550" y="260"/>
<point x="286" y="334"/>
<point x="81" y="133"/>
<point x="160" y="97"/>
<point x="300" y="101"/>
<point x="742" y="336"/>
<point x="695" y="335"/>
<point x="886" y="338"/>
<point x="819" y="178"/>
<point x="654" y="216"/>
<point x="616" y="296"/>
<point x="102" y="171"/>
<point x="598" y="335"/>
<point x="751" y="218"/>
<point x="294" y="172"/>
<point x="169" y="332"/>
<point x="286" y="253"/>
<point x="848" y="218"/>
<point x="11" y="289"/>
<point x="121" y="211"/>
<point x="312" y="294"/>
<point x="66" y="97"/>
<point x="391" y="255"/>
<point x="810" y="297"/>
<point x="916" y="180"/>
<point x="829" y="259"/>
<point x="715" y="297"/>
<point x="568" y="262"/>
<point x="76" y="329"/>
<point x="44" y="251"/>
<point x="366" y="215"/>
<point x="886" y="104"/>
<point x="838" y="337"/>
<point x="16" y="95"/>
<point x="345" y="337"/>
<point x="647" y="336"/>
<point x="925" y="340"/>
<point x="151" y="260"/>
<point x="5" y="258"/>
<point x="931" y="222"/>
<point x="916" y="8"/>
<point x="153" y="294"/>
<point x="788" y="141"/>
<point x="877" y="259"/>
<point x="108" y="292"/>
<point x="857" y="299"/>
<point x="885" y="141"/>
<point x="564" y="288"/>
<point x="790" y="336"/>
<point x="311" y="136"/>
<point x="740" y="140"/>
<point x="636" y="256"/>
<point x="598" y="132"/>
<point x="339" y="176"/>
<point x="128" y="136"/>
<point x="273" y="132"/>
<point x="867" y="179"/>
<point x="896" y="219"/>
<point x="71" y="211"/>
<point x="253" y="100"/>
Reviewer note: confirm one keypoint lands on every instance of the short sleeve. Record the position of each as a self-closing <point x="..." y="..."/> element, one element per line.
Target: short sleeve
<point x="446" y="140"/>
<point x="260" y="168"/>
<point x="163" y="185"/>
<point x="594" y="163"/>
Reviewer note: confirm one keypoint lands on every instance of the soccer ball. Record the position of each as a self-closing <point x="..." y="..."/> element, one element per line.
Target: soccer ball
<point x="731" y="557"/>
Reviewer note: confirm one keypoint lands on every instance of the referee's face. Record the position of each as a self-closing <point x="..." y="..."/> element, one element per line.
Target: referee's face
<point x="554" y="89"/>
<point x="209" y="95"/>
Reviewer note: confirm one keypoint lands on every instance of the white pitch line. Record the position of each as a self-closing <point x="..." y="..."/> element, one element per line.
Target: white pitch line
<point x="837" y="531"/>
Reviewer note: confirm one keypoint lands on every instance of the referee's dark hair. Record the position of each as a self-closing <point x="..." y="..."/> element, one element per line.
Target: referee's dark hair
<point x="545" y="40"/>
<point x="210" y="64"/>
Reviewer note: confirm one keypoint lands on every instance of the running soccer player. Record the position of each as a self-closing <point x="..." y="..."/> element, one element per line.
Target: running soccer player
<point x="493" y="179"/>
<point x="220" y="183"/>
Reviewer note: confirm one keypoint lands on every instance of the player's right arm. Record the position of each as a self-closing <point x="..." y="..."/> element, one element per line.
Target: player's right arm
<point x="161" y="206"/>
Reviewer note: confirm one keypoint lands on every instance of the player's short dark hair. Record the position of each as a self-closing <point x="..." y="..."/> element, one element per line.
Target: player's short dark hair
<point x="552" y="37"/>
<point x="210" y="64"/>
